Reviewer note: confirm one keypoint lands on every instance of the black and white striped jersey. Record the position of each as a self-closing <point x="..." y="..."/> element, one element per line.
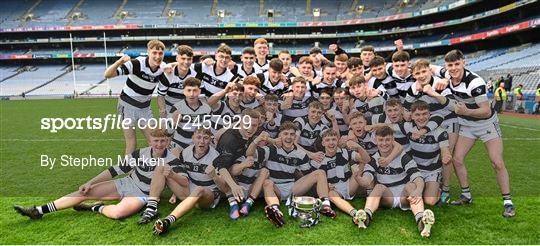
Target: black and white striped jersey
<point x="299" y="108"/>
<point x="253" y="103"/>
<point x="435" y="107"/>
<point x="269" y="87"/>
<point x="427" y="149"/>
<point x="189" y="118"/>
<point x="273" y="128"/>
<point x="172" y="86"/>
<point x="387" y="85"/>
<point x="140" y="166"/>
<point x="399" y="137"/>
<point x="315" y="90"/>
<point x="368" y="142"/>
<point x="343" y="127"/>
<point x="196" y="168"/>
<point x="281" y="164"/>
<point x="212" y="82"/>
<point x="402" y="84"/>
<point x="240" y="71"/>
<point x="248" y="175"/>
<point x="399" y="171"/>
<point x="471" y="91"/>
<point x="141" y="81"/>
<point x="309" y="133"/>
<point x="338" y="167"/>
<point x="261" y="68"/>
<point x="218" y="115"/>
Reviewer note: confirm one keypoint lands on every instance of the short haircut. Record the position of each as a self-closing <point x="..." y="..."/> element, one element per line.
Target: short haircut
<point x="184" y="50"/>
<point x="422" y="63"/>
<point x="315" y="50"/>
<point x="248" y="50"/>
<point x="284" y="52"/>
<point x="340" y="90"/>
<point x="260" y="41"/>
<point x="252" y="80"/>
<point x="341" y="58"/>
<point x="155" y="44"/>
<point x="419" y="105"/>
<point x="357" y="80"/>
<point x="367" y="48"/>
<point x="377" y="61"/>
<point x="271" y="97"/>
<point x="384" y="131"/>
<point x="316" y="104"/>
<point x="299" y="79"/>
<point x="159" y="133"/>
<point x="287" y="125"/>
<point x="305" y="59"/>
<point x="329" y="133"/>
<point x="354" y="62"/>
<point x="327" y="91"/>
<point x="357" y="114"/>
<point x="330" y="64"/>
<point x="252" y="113"/>
<point x="238" y="87"/>
<point x="401" y="56"/>
<point x="391" y="102"/>
<point x="192" y="81"/>
<point x="453" y="56"/>
<point x="224" y="49"/>
<point x="203" y="130"/>
<point x="276" y="65"/>
<point x="204" y="57"/>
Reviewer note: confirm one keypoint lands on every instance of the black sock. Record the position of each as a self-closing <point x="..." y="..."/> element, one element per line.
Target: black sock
<point x="232" y="200"/>
<point x="352" y="213"/>
<point x="369" y="213"/>
<point x="445" y="188"/>
<point x="418" y="216"/>
<point x="171" y="219"/>
<point x="151" y="205"/>
<point x="507" y="199"/>
<point x="250" y="200"/>
<point x="47" y="208"/>
<point x="466" y="192"/>
<point x="98" y="208"/>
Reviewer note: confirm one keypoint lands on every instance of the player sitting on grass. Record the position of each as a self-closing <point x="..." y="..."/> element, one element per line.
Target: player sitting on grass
<point x="398" y="184"/>
<point x="132" y="191"/>
<point x="196" y="162"/>
<point x="341" y="168"/>
<point x="283" y="164"/>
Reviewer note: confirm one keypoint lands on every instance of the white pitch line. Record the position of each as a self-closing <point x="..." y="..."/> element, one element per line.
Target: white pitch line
<point x="521" y="139"/>
<point x="520" y="127"/>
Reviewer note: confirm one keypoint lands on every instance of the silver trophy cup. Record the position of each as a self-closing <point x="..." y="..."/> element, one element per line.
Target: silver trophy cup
<point x="306" y="208"/>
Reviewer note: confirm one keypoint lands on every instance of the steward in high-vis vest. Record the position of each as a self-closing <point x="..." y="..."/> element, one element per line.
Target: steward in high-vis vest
<point x="500" y="97"/>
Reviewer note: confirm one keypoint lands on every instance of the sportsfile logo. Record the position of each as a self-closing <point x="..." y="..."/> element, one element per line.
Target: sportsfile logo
<point x="116" y="122"/>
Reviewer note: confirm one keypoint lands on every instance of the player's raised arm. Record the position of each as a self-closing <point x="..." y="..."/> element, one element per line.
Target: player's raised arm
<point x="112" y="70"/>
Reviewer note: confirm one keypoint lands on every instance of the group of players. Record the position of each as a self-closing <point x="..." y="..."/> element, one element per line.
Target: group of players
<point x="355" y="126"/>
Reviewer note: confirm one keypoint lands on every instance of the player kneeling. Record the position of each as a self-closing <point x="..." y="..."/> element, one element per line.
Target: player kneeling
<point x="196" y="162"/>
<point x="398" y="184"/>
<point x="132" y="191"/>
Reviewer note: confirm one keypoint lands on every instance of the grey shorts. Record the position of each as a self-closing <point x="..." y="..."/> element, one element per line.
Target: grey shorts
<point x="126" y="188"/>
<point x="484" y="132"/>
<point x="432" y="176"/>
<point x="285" y="190"/>
<point x="215" y="191"/>
<point x="343" y="189"/>
<point x="141" y="115"/>
<point x="397" y="193"/>
<point x="451" y="126"/>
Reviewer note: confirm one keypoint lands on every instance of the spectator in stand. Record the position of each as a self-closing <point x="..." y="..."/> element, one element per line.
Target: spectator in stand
<point x="508" y="82"/>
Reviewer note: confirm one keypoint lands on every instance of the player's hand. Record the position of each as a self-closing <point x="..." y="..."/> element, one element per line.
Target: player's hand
<point x="85" y="188"/>
<point x="209" y="61"/>
<point x="345" y="107"/>
<point x="169" y="67"/>
<point x="446" y="158"/>
<point x="172" y="200"/>
<point x="399" y="44"/>
<point x="441" y="85"/>
<point x="317" y="156"/>
<point x="369" y="128"/>
<point x="249" y="161"/>
<point x="342" y="143"/>
<point x="277" y="142"/>
<point x="264" y="136"/>
<point x="331" y="116"/>
<point x="460" y="108"/>
<point x="238" y="192"/>
<point x="167" y="170"/>
<point x="163" y="113"/>
<point x="419" y="86"/>
<point x="414" y="198"/>
<point x="355" y="168"/>
<point x="333" y="47"/>
<point x="418" y="134"/>
<point x="428" y="90"/>
<point x="124" y="59"/>
<point x="384" y="161"/>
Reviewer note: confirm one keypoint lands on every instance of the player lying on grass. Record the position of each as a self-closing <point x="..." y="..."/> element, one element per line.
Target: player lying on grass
<point x="398" y="184"/>
<point x="195" y="162"/>
<point x="341" y="168"/>
<point x="132" y="191"/>
<point x="284" y="164"/>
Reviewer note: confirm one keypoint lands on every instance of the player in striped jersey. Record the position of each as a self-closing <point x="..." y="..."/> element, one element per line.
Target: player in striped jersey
<point x="340" y="110"/>
<point x="364" y="99"/>
<point x="142" y="78"/>
<point x="341" y="167"/>
<point x="305" y="69"/>
<point x="318" y="59"/>
<point x="251" y="98"/>
<point x="295" y="103"/>
<point x="328" y="81"/>
<point x="401" y="73"/>
<point x="248" y="60"/>
<point x="342" y="70"/>
<point x="423" y="75"/>
<point x="132" y="190"/>
<point x="215" y="77"/>
<point x="311" y="126"/>
<point x="171" y="85"/>
<point x="229" y="106"/>
<point x="286" y="58"/>
<point x="398" y="184"/>
<point x="196" y="162"/>
<point x="272" y="81"/>
<point x="477" y="120"/>
<point x="283" y="163"/>
<point x="188" y="113"/>
<point x="250" y="175"/>
<point x="354" y="64"/>
<point x="367" y="53"/>
<point x="379" y="77"/>
<point x="273" y="115"/>
<point x="261" y="49"/>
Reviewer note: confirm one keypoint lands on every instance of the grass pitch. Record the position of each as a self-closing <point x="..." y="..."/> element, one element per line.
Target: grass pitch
<point x="23" y="181"/>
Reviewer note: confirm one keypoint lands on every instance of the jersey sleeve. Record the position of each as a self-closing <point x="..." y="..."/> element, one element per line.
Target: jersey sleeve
<point x="410" y="167"/>
<point x="442" y="137"/>
<point x="370" y="169"/>
<point x="164" y="84"/>
<point x="127" y="67"/>
<point x="125" y="166"/>
<point x="477" y="89"/>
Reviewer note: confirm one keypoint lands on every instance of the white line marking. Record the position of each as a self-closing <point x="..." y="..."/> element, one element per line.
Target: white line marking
<point x="520" y="127"/>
